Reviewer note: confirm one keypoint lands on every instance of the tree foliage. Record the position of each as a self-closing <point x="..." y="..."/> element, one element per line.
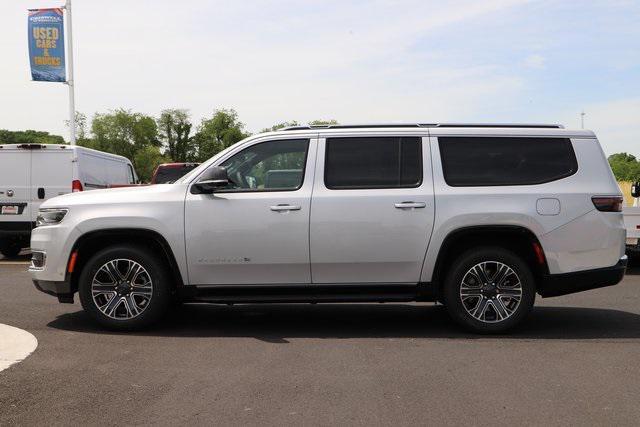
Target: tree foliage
<point x="625" y="167"/>
<point x="29" y="137"/>
<point x="81" y="125"/>
<point x="215" y="134"/>
<point x="146" y="160"/>
<point x="281" y="126"/>
<point x="322" y="122"/>
<point x="174" y="128"/>
<point x="149" y="141"/>
<point x="123" y="132"/>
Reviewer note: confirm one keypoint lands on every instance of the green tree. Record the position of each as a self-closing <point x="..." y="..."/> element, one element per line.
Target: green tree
<point x="81" y="126"/>
<point x="323" y="122"/>
<point x="123" y="132"/>
<point x="625" y="166"/>
<point x="29" y="137"/>
<point x="281" y="126"/>
<point x="215" y="134"/>
<point x="146" y="160"/>
<point x="174" y="127"/>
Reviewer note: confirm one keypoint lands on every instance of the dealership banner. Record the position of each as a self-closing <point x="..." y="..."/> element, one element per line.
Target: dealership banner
<point x="46" y="45"/>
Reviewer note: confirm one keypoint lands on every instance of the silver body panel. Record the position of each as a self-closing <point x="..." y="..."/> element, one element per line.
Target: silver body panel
<point x="348" y="236"/>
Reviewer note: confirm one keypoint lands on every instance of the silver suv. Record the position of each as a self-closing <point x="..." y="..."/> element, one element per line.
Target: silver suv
<point x="478" y="217"/>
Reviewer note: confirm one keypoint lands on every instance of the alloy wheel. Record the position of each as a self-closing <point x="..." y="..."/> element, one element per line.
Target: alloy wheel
<point x="491" y="291"/>
<point x="122" y="289"/>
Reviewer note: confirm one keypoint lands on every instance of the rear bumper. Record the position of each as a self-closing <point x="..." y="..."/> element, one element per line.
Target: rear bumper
<point x="62" y="290"/>
<point x="553" y="285"/>
<point x="633" y="245"/>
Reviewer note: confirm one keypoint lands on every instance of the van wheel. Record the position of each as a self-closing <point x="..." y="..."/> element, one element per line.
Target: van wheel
<point x="489" y="290"/>
<point x="124" y="287"/>
<point x="10" y="250"/>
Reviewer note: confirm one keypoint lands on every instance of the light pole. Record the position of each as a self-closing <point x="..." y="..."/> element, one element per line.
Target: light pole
<point x="582" y="118"/>
<point x="70" y="82"/>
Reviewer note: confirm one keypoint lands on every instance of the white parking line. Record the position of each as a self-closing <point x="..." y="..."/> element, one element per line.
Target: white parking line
<point x="15" y="345"/>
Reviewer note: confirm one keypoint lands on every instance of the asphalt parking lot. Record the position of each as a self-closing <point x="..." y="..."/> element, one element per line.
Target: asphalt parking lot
<point x="575" y="361"/>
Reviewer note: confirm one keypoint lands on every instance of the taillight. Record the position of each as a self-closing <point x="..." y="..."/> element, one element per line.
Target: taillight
<point x="76" y="186"/>
<point x="608" y="203"/>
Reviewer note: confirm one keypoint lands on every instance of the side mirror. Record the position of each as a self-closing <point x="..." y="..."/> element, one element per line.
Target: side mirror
<point x="635" y="189"/>
<point x="213" y="179"/>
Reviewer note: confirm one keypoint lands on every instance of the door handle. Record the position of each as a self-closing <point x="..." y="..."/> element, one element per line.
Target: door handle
<point x="281" y="208"/>
<point x="409" y="205"/>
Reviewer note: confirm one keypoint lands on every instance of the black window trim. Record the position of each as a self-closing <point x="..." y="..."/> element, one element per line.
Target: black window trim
<point x="133" y="174"/>
<point x="272" y="190"/>
<point x="376" y="187"/>
<point x="573" y="159"/>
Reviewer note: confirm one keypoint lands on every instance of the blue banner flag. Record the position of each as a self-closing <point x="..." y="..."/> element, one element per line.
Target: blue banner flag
<point x="46" y="45"/>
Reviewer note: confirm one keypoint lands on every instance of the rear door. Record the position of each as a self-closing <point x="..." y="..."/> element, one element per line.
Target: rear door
<point x="15" y="166"/>
<point x="372" y="209"/>
<point x="51" y="175"/>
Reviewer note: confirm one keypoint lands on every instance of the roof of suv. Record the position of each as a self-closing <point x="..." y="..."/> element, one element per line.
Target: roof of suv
<point x="428" y="125"/>
<point x="436" y="129"/>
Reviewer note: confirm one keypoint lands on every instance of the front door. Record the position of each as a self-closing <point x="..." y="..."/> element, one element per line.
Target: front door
<point x="372" y="210"/>
<point x="255" y="231"/>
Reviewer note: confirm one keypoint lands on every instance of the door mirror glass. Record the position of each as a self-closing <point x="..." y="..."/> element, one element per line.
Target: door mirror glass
<point x="635" y="189"/>
<point x="213" y="179"/>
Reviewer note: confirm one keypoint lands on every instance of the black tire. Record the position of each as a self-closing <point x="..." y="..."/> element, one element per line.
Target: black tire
<point x="10" y="250"/>
<point x="152" y="310"/>
<point x="500" y="312"/>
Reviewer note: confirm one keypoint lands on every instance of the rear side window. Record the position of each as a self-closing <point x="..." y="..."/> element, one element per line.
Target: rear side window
<point x="486" y="161"/>
<point x="375" y="162"/>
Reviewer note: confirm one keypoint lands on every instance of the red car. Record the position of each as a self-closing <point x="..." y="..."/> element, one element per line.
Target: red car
<point x="168" y="173"/>
<point x="165" y="173"/>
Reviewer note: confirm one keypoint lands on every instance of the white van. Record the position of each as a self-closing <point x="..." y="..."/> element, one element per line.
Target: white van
<point x="33" y="173"/>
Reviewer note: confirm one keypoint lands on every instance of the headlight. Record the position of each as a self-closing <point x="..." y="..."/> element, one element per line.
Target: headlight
<point x="50" y="216"/>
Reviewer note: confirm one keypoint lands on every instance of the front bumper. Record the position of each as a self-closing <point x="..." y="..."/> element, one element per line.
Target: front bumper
<point x="62" y="290"/>
<point x="56" y="242"/>
<point x="553" y="285"/>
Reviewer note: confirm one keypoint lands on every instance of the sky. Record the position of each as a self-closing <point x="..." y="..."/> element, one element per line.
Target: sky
<point x="355" y="61"/>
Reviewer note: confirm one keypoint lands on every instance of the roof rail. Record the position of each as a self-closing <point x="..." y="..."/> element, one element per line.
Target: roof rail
<point x="428" y="125"/>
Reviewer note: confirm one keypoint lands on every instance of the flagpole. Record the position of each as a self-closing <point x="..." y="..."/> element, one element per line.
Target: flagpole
<point x="70" y="81"/>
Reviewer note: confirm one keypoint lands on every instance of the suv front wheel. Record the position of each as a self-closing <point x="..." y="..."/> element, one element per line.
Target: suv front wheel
<point x="489" y="290"/>
<point x="124" y="287"/>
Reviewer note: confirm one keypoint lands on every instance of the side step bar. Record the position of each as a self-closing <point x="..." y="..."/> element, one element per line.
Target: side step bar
<point x="227" y="294"/>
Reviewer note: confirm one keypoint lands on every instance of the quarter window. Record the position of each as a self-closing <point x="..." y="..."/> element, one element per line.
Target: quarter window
<point x="487" y="161"/>
<point x="268" y="166"/>
<point x="373" y="162"/>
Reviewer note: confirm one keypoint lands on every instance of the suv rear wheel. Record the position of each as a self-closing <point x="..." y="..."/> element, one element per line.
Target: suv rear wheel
<point x="124" y="287"/>
<point x="489" y="290"/>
